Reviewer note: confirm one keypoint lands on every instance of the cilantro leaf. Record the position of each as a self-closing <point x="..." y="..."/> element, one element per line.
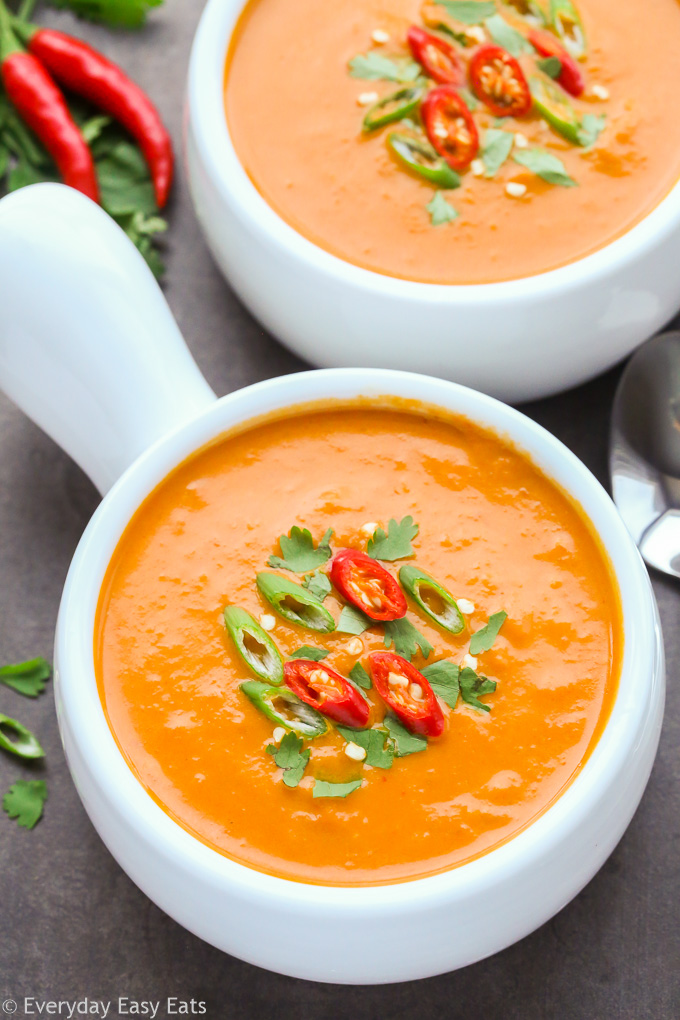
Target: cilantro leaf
<point x="24" y="801"/>
<point x="473" y="686"/>
<point x="591" y="128"/>
<point x="506" y="36"/>
<point x="317" y="584"/>
<point x="469" y="98"/>
<point x="406" y="638"/>
<point x="290" y="757"/>
<point x="404" y="742"/>
<point x="374" y="66"/>
<point x="497" y="147"/>
<point x="442" y="677"/>
<point x="483" y="639"/>
<point x="299" y="552"/>
<point x="322" y="789"/>
<point x="360" y="677"/>
<point x="396" y="544"/>
<point x="310" y="652"/>
<point x="441" y="211"/>
<point x="353" y="621"/>
<point x="545" y="165"/>
<point x="26" y="678"/>
<point x="373" y="743"/>
<point x="117" y="13"/>
<point x="552" y="66"/>
<point x="468" y="12"/>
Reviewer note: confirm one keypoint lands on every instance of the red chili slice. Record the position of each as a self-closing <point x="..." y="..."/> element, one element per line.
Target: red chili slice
<point x="498" y="80"/>
<point x="571" y="77"/>
<point x="439" y="58"/>
<point x="327" y="691"/>
<point x="367" y="585"/>
<point x="406" y="691"/>
<point x="450" y="126"/>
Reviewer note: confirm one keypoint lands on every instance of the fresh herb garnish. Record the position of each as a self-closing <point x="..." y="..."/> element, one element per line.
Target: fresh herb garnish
<point x="468" y="12"/>
<point x="469" y="98"/>
<point x="506" y="36"/>
<point x="404" y="742"/>
<point x="497" y="147"/>
<point x="116" y="13"/>
<point x="483" y="639"/>
<point x="545" y="165"/>
<point x="353" y="621"/>
<point x="299" y="554"/>
<point x="396" y="544"/>
<point x="15" y="738"/>
<point x="442" y="677"/>
<point x="322" y="789"/>
<point x="318" y="584"/>
<point x="374" y="66"/>
<point x="406" y="638"/>
<point x="441" y="211"/>
<point x="360" y="677"/>
<point x="473" y="686"/>
<point x="590" y="129"/>
<point x="290" y="757"/>
<point x="552" y="66"/>
<point x="310" y="652"/>
<point x="24" y="801"/>
<point x="373" y="743"/>
<point x="26" y="678"/>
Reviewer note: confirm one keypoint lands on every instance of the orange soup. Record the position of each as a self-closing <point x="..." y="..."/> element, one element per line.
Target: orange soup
<point x="500" y="677"/>
<point x="457" y="142"/>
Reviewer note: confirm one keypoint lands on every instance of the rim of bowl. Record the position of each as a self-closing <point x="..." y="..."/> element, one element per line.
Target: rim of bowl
<point x="115" y="780"/>
<point x="210" y="133"/>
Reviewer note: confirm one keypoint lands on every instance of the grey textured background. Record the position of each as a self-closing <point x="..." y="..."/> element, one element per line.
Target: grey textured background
<point x="73" y="925"/>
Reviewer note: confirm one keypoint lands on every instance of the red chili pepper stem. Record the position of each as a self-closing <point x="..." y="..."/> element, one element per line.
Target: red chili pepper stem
<point x="9" y="43"/>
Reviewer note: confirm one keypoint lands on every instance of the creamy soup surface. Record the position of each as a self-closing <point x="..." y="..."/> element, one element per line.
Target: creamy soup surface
<point x="492" y="529"/>
<point x="293" y="113"/>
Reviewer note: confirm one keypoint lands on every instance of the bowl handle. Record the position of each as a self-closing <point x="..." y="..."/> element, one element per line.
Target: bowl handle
<point x="89" y="348"/>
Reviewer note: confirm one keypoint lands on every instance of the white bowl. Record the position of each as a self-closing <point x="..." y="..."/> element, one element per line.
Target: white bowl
<point x="99" y="363"/>
<point x="518" y="341"/>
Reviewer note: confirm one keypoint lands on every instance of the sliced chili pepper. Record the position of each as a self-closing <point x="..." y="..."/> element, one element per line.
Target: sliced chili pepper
<point x="437" y="56"/>
<point x="450" y="126"/>
<point x="15" y="738"/>
<point x="406" y="691"/>
<point x="498" y="80"/>
<point x="419" y="157"/>
<point x="88" y="73"/>
<point x="566" y="22"/>
<point x="529" y="10"/>
<point x="571" y="76"/>
<point x="284" y="708"/>
<point x="394" y="107"/>
<point x="555" y="108"/>
<point x="327" y="691"/>
<point x="254" y="645"/>
<point x="294" y="602"/>
<point x="433" y="598"/>
<point x="367" y="585"/>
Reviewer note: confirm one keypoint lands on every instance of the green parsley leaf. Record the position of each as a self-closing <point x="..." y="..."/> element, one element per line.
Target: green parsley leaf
<point x="442" y="677"/>
<point x="353" y="621"/>
<point x="483" y="639"/>
<point x="473" y="686"/>
<point x="322" y="789"/>
<point x="373" y="743"/>
<point x="469" y="98"/>
<point x="506" y="36"/>
<point x="497" y="147"/>
<point x="26" y="678"/>
<point x="310" y="652"/>
<point x="552" y="66"/>
<point x="92" y="128"/>
<point x="441" y="211"/>
<point x="468" y="12"/>
<point x="404" y="742"/>
<point x="299" y="551"/>
<point x="545" y="165"/>
<point x="591" y="128"/>
<point x="406" y="638"/>
<point x="360" y="677"/>
<point x="374" y="66"/>
<point x="117" y="13"/>
<point x="396" y="544"/>
<point x="24" y="801"/>
<point x="317" y="584"/>
<point x="290" y="757"/>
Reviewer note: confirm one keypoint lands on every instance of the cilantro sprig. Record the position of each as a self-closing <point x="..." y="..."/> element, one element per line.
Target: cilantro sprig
<point x="298" y="552"/>
<point x="482" y="640"/>
<point x="324" y="789"/>
<point x="396" y="543"/>
<point x="27" y="678"/>
<point x="473" y="686"/>
<point x="374" y="66"/>
<point x="468" y="12"/>
<point x="443" y="677"/>
<point x="403" y="741"/>
<point x="360" y="677"/>
<point x="353" y="621"/>
<point x="373" y="742"/>
<point x="290" y="757"/>
<point x="310" y="652"/>
<point x="24" y="801"/>
<point x="406" y="638"/>
<point x="441" y="212"/>
<point x="317" y="584"/>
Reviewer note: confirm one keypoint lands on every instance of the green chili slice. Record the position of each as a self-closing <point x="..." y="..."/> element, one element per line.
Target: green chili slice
<point x="396" y="106"/>
<point x="285" y="709"/>
<point x="16" y="739"/>
<point x="553" y="105"/>
<point x="434" y="600"/>
<point x="566" y="22"/>
<point x="294" y="602"/>
<point x="419" y="157"/>
<point x="529" y="10"/>
<point x="254" y="645"/>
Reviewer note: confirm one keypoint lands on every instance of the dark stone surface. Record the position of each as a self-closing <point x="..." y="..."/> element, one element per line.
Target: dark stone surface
<point x="74" y="926"/>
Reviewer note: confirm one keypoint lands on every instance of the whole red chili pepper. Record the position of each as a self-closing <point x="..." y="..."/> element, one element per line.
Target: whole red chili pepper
<point x="88" y="73"/>
<point x="42" y="106"/>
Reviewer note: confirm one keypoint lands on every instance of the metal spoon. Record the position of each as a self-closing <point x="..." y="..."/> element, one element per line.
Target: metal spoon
<point x="644" y="457"/>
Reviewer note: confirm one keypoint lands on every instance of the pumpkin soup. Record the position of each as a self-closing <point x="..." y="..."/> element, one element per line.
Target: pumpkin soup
<point x="357" y="645"/>
<point x="457" y="141"/>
